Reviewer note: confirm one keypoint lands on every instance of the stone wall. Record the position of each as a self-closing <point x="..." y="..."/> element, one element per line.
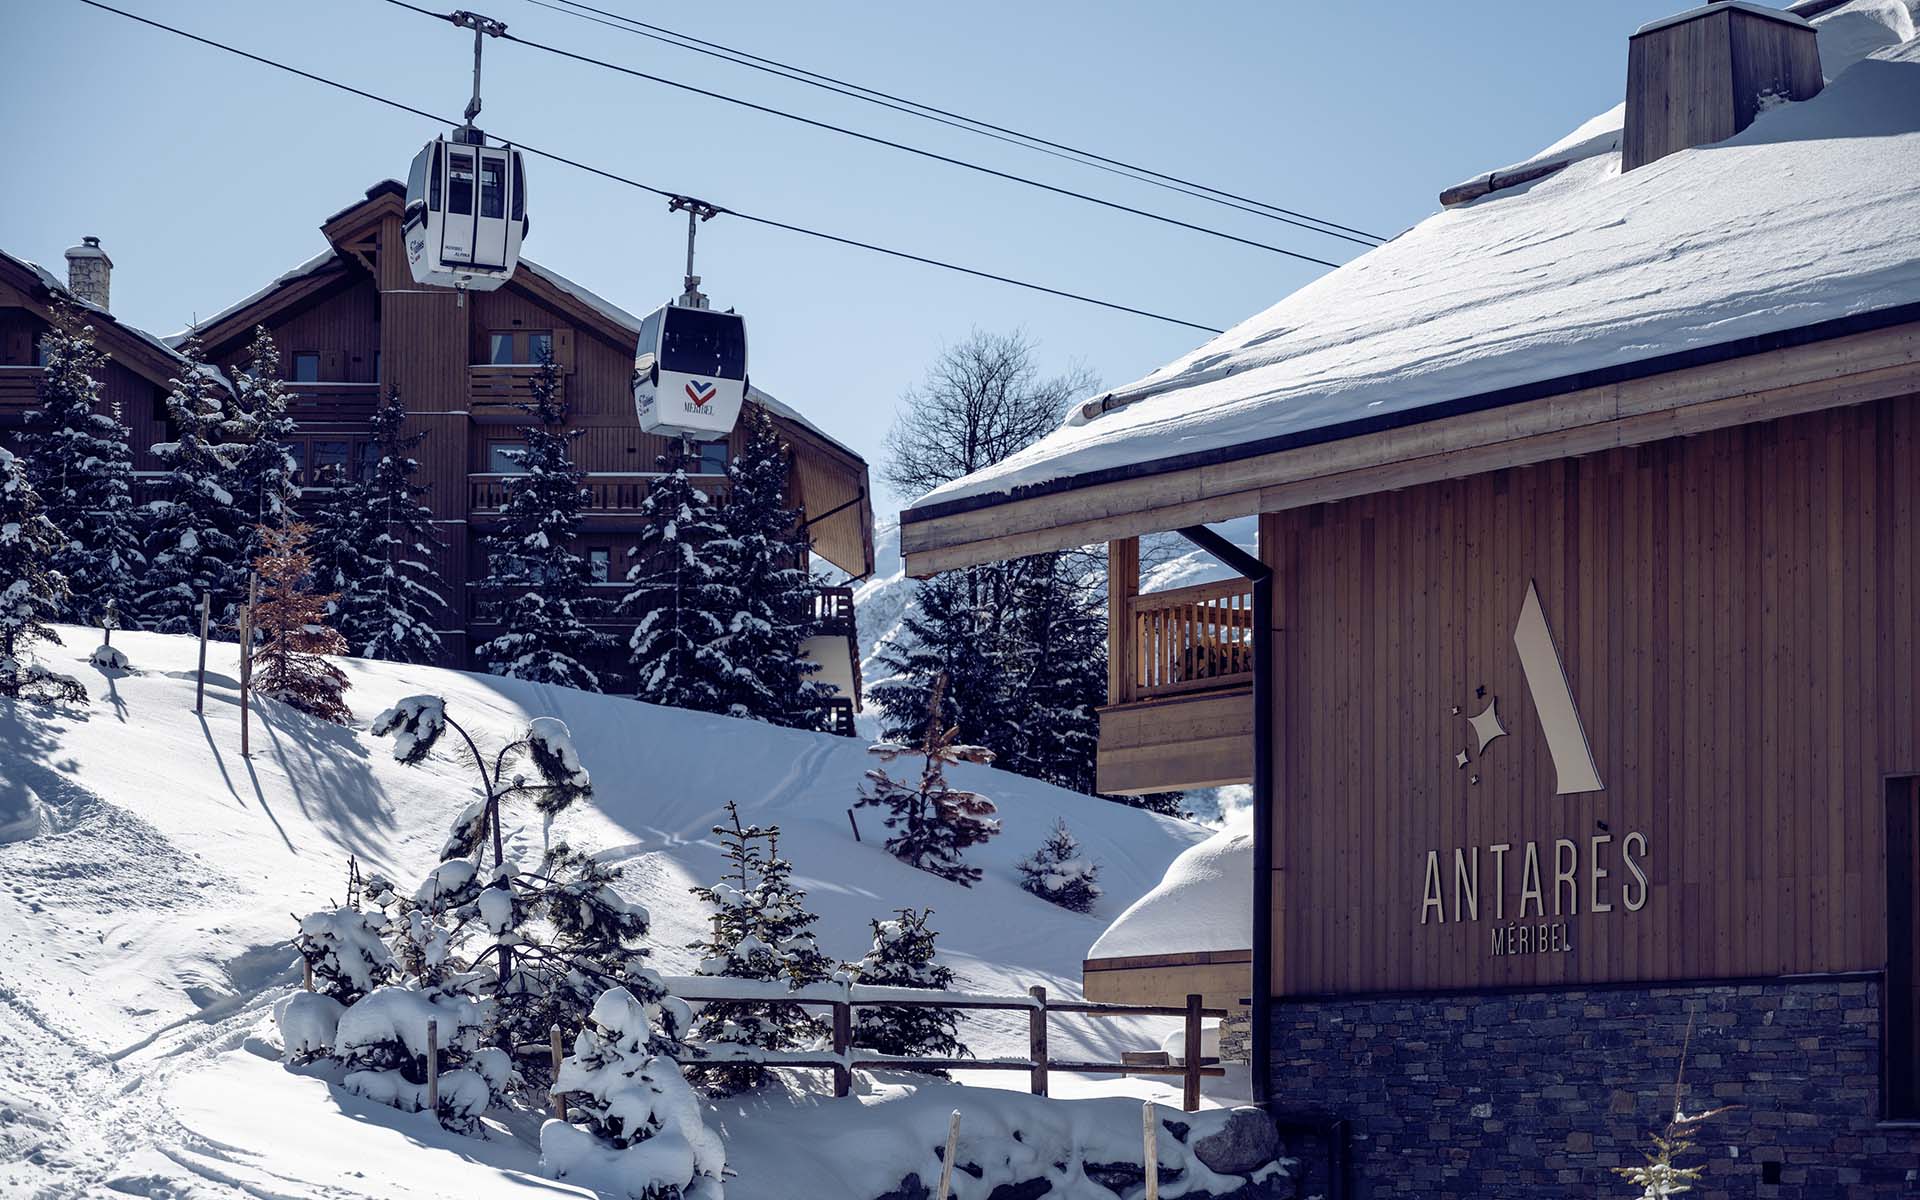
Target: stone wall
<point x="1541" y="1094"/>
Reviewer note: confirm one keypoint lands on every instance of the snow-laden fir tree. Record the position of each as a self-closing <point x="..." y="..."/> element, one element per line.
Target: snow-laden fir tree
<point x="195" y="540"/>
<point x="903" y="956"/>
<point x="259" y="427"/>
<point x="958" y="636"/>
<point x="931" y="822"/>
<point x="536" y="583"/>
<point x="31" y="590"/>
<point x="1056" y="679"/>
<point x="373" y="545"/>
<point x="1060" y="871"/>
<point x="634" y="1127"/>
<point x="290" y="625"/>
<point x="764" y="559"/>
<point x="78" y="460"/>
<point x="762" y="930"/>
<point x="680" y="594"/>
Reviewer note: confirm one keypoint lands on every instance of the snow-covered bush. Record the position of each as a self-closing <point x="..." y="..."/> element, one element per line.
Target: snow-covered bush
<point x="903" y="956"/>
<point x="108" y="658"/>
<point x="1060" y="872"/>
<point x="932" y="821"/>
<point x="347" y="950"/>
<point x="634" y="1126"/>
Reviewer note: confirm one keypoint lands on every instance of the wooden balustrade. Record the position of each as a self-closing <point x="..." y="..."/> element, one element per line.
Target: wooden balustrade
<point x="19" y="387"/>
<point x="619" y="492"/>
<point x="490" y="385"/>
<point x="332" y="401"/>
<point x="1189" y="639"/>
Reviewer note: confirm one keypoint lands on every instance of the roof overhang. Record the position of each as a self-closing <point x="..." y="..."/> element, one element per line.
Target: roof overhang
<point x="141" y="353"/>
<point x="1868" y="356"/>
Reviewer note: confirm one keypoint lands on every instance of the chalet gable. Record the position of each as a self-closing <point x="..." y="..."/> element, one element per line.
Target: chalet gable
<point x="26" y="285"/>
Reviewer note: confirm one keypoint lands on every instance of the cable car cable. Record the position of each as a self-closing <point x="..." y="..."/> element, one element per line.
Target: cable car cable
<point x="880" y="141"/>
<point x="661" y="192"/>
<point x="939" y="116"/>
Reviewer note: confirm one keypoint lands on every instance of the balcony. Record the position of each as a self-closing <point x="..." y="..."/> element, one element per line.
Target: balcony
<point x="494" y="390"/>
<point x="608" y="492"/>
<point x="19" y="387"/>
<point x="1181" y="676"/>
<point x="322" y="403"/>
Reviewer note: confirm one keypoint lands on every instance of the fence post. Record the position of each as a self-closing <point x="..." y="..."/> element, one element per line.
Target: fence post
<point x="307" y="974"/>
<point x="1150" y="1135"/>
<point x="1037" y="1040"/>
<point x="433" y="1066"/>
<point x="246" y="662"/>
<point x="1190" y="1098"/>
<point x="842" y="1042"/>
<point x="559" y="1101"/>
<point x="200" y="688"/>
<point x="946" y="1163"/>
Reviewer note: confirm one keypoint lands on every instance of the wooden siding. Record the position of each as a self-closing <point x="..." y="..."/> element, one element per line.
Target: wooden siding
<point x="341" y="324"/>
<point x="1736" y="617"/>
<point x="1203" y="740"/>
<point x="1223" y="978"/>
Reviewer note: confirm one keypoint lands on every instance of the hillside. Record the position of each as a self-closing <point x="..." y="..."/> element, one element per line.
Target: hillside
<point x="145" y="904"/>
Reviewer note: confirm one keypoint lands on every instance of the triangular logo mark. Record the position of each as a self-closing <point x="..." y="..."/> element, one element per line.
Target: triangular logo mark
<point x="1553" y="700"/>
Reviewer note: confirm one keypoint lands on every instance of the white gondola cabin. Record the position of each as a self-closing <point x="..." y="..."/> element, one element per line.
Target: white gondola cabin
<point x="466" y="212"/>
<point x="690" y="376"/>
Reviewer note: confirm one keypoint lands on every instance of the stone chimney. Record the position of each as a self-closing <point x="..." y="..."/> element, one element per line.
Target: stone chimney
<point x="90" y="272"/>
<point x="1702" y="76"/>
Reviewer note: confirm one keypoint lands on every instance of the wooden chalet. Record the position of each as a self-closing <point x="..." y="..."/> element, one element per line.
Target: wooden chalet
<point x="351" y="323"/>
<point x="1586" y="616"/>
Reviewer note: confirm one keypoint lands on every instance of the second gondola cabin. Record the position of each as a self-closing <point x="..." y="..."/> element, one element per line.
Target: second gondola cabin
<point x="690" y="376"/>
<point x="466" y="212"/>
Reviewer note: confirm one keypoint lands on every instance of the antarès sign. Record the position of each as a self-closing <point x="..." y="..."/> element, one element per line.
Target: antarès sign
<point x="1528" y="891"/>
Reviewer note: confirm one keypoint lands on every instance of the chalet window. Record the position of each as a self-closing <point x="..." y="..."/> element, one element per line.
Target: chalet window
<point x="503" y="458"/>
<point x="297" y="451"/>
<point x="493" y="192"/>
<point x="40" y="352"/>
<point x="460" y="184"/>
<point x="366" y="461"/>
<point x="713" y="458"/>
<point x="306" y="367"/>
<point x="500" y="349"/>
<point x="330" y="462"/>
<point x="509" y="349"/>
<point x="539" y="345"/>
<point x="599" y="563"/>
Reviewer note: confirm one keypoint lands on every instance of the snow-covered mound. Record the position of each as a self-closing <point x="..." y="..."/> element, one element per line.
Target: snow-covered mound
<point x="1204" y="903"/>
<point x="146" y="907"/>
<point x="1804" y="217"/>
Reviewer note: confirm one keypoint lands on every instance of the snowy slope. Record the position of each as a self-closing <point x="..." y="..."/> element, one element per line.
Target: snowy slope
<point x="144" y="926"/>
<point x="1804" y="217"/>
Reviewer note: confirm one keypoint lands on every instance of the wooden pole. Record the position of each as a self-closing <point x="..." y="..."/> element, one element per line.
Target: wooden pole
<point x="1190" y="1097"/>
<point x="842" y="1041"/>
<point x="1037" y="1040"/>
<point x="946" y="1164"/>
<point x="1150" y="1134"/>
<point x="200" y="688"/>
<point x="855" y="824"/>
<point x="246" y="663"/>
<point x="433" y="1065"/>
<point x="559" y="1101"/>
<point x="307" y="973"/>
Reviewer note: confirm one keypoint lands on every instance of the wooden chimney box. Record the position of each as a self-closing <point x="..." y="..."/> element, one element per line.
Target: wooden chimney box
<point x="1702" y="76"/>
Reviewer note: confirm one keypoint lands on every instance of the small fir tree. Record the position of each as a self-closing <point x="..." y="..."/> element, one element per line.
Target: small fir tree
<point x="536" y="584"/>
<point x="290" y="621"/>
<point x="195" y="538"/>
<point x="31" y="590"/>
<point x="954" y="636"/>
<point x="259" y="427"/>
<point x="761" y="930"/>
<point x="78" y="459"/>
<point x="903" y="956"/>
<point x="680" y="595"/>
<point x="1060" y="872"/>
<point x="932" y="821"/>
<point x="1663" y="1175"/>
<point x="764" y="559"/>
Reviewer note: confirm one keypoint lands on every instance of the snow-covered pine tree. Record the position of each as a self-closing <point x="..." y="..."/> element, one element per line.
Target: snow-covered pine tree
<point x="680" y="595"/>
<point x="932" y="821"/>
<point x="764" y="559"/>
<point x="761" y="931"/>
<point x="903" y="956"/>
<point x="1060" y="872"/>
<point x="338" y="509"/>
<point x="957" y="637"/>
<point x="1058" y="679"/>
<point x="535" y="589"/>
<point x="392" y="612"/>
<point x="291" y="624"/>
<point x="195" y="535"/>
<point x="634" y="1127"/>
<point x="259" y="427"/>
<point x="77" y="458"/>
<point x="31" y="591"/>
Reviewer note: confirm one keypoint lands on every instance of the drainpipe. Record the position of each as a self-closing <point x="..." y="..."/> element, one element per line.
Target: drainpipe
<point x="1261" y="575"/>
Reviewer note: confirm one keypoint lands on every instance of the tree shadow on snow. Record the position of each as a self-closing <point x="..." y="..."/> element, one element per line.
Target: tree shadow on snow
<point x="330" y="775"/>
<point x="32" y="786"/>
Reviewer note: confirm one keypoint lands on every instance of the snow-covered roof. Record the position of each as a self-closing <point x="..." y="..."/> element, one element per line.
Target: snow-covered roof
<point x="1805" y="217"/>
<point x="57" y="287"/>
<point x="1203" y="902"/>
<point x="318" y="262"/>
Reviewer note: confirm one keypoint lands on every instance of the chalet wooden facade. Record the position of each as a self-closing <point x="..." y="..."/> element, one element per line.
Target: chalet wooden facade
<point x="351" y="323"/>
<point x="1594" y="711"/>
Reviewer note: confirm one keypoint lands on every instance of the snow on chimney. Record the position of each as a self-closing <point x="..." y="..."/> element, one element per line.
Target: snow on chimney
<point x="90" y="272"/>
<point x="1703" y="75"/>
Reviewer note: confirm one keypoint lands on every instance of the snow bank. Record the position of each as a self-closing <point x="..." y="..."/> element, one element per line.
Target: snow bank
<point x="1205" y="902"/>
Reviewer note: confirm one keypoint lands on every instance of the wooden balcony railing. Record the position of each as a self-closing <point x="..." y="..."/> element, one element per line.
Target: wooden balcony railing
<point x="1190" y="639"/>
<point x="494" y="386"/>
<point x="19" y="387"/>
<point x="833" y="610"/>
<point x="607" y="492"/>
<point x="317" y="402"/>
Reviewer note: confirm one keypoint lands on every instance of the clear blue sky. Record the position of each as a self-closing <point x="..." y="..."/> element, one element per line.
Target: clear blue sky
<point x="205" y="175"/>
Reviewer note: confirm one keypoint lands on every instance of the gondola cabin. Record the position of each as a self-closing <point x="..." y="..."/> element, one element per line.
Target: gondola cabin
<point x="690" y="376"/>
<point x="466" y="212"/>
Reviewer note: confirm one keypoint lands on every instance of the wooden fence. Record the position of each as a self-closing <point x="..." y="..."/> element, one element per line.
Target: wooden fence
<point x="844" y="1058"/>
<point x="1190" y="639"/>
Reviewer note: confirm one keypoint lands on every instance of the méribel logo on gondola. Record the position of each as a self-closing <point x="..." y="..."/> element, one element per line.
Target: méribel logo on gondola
<point x="700" y="393"/>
